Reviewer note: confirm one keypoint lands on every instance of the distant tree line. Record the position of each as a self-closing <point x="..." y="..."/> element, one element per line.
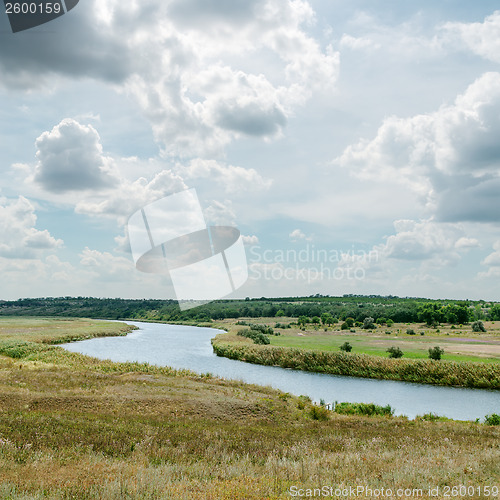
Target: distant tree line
<point x="314" y="309"/>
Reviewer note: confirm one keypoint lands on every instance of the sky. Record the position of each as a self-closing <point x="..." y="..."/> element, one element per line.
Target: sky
<point x="355" y="144"/>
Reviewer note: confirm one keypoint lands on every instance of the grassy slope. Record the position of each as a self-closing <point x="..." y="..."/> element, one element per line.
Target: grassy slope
<point x="75" y="427"/>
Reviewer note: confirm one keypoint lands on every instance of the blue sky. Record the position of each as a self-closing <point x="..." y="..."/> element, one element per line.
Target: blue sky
<point x="358" y="139"/>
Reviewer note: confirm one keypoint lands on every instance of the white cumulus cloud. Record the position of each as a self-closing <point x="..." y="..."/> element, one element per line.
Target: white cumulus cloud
<point x="19" y="237"/>
<point x="451" y="157"/>
<point x="70" y="159"/>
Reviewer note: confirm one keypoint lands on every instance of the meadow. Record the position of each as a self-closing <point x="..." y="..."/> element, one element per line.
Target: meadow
<point x="470" y="359"/>
<point x="76" y="427"/>
<point x="460" y="343"/>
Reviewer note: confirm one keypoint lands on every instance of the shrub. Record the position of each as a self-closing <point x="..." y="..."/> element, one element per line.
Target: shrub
<point x="350" y="322"/>
<point x="266" y="330"/>
<point x="346" y="347"/>
<point x="281" y="325"/>
<point x="478" y="326"/>
<point x="387" y="332"/>
<point x="303" y="320"/>
<point x="369" y="409"/>
<point x="368" y="323"/>
<point x="303" y="400"/>
<point x="344" y="326"/>
<point x="432" y="417"/>
<point x="319" y="413"/>
<point x="257" y="337"/>
<point x="450" y="373"/>
<point x="395" y="352"/>
<point x="435" y="352"/>
<point x="381" y="321"/>
<point x="410" y="331"/>
<point x="389" y="322"/>
<point x="492" y="419"/>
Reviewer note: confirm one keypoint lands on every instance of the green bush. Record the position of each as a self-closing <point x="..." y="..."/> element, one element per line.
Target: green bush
<point x="449" y="373"/>
<point x="257" y="337"/>
<point x="346" y="347"/>
<point x="492" y="419"/>
<point x="368" y="409"/>
<point x="478" y="326"/>
<point x="350" y="322"/>
<point x="433" y="417"/>
<point x="303" y="400"/>
<point x="319" y="413"/>
<point x="395" y="352"/>
<point x="368" y="323"/>
<point x="435" y="352"/>
<point x="410" y="331"/>
<point x="281" y="325"/>
<point x="389" y="322"/>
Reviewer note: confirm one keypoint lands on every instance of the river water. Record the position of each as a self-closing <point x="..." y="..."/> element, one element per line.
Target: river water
<point x="189" y="347"/>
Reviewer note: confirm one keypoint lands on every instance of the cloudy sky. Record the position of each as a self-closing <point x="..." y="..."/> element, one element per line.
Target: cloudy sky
<point x="355" y="144"/>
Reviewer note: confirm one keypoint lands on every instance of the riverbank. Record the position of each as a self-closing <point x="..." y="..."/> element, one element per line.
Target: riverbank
<point x="471" y="359"/>
<point x="446" y="373"/>
<point x="76" y="427"/>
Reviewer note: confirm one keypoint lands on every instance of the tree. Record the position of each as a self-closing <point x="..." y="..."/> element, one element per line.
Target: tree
<point x="458" y="313"/>
<point x="326" y="319"/>
<point x="494" y="312"/>
<point x="349" y="322"/>
<point x="368" y="323"/>
<point x="478" y="326"/>
<point x="435" y="353"/>
<point x="428" y="313"/>
<point x="316" y="320"/>
<point x="303" y="320"/>
<point x="395" y="352"/>
<point x="346" y="347"/>
<point x="280" y="313"/>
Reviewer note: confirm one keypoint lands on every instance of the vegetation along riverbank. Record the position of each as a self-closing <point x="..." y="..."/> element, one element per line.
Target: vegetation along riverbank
<point x="388" y="350"/>
<point x="72" y="426"/>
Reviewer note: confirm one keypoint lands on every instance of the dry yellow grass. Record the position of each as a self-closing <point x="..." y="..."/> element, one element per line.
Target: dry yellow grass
<point x="74" y="427"/>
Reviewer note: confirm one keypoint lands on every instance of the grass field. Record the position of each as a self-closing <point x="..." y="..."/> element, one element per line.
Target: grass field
<point x="75" y="427"/>
<point x="460" y="344"/>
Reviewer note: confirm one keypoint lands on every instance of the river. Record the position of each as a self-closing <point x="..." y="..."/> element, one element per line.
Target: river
<point x="189" y="348"/>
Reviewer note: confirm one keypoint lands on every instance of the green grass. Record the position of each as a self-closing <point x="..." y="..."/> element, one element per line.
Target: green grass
<point x="424" y="371"/>
<point x="459" y="345"/>
<point x="413" y="349"/>
<point x="76" y="427"/>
